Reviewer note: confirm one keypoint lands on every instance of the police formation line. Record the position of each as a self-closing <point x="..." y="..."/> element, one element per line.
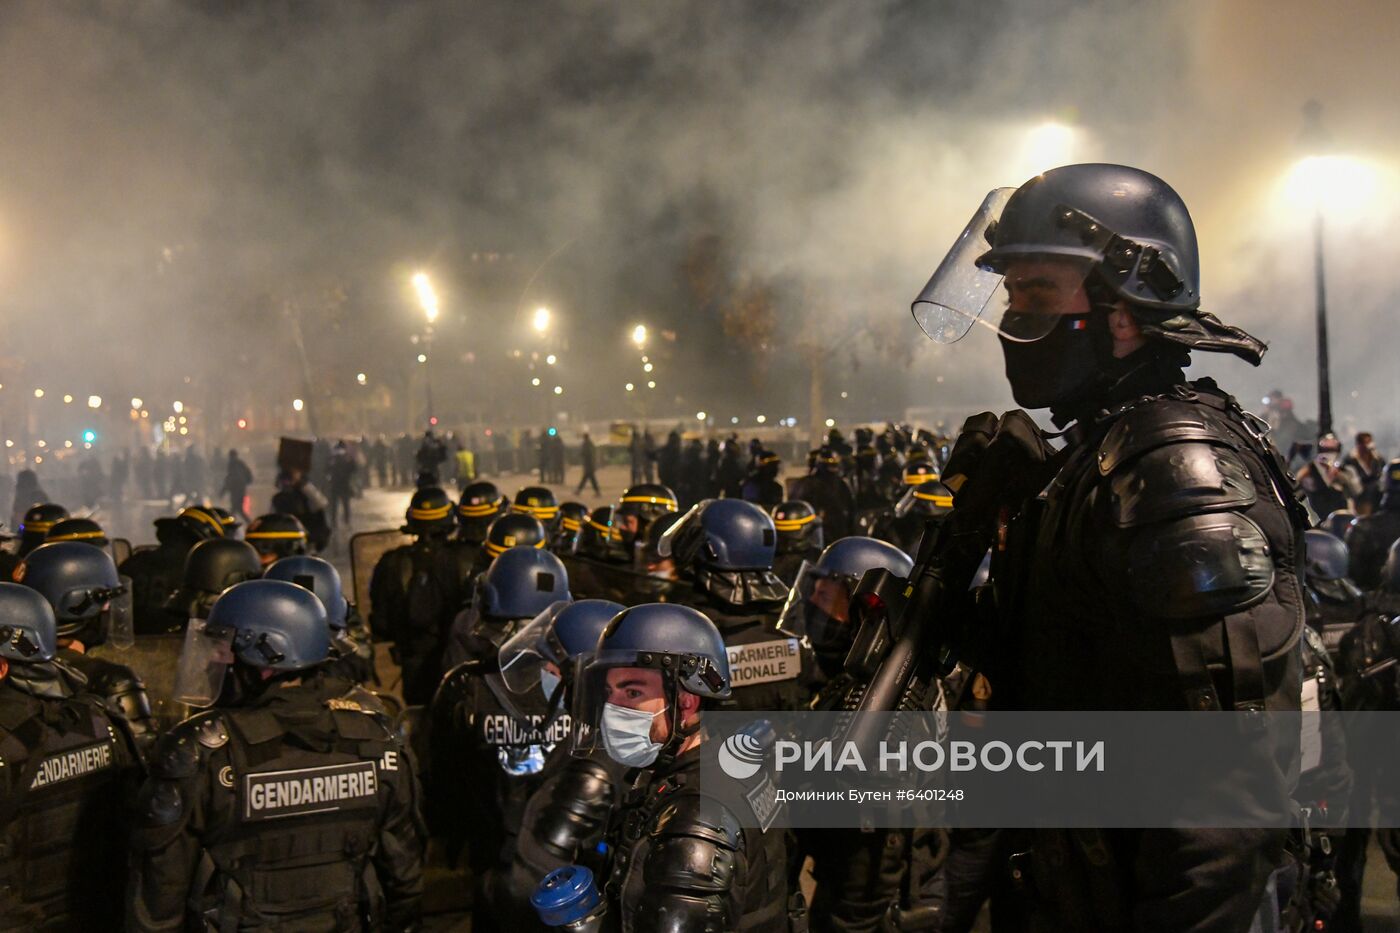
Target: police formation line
<point x="210" y="714"/>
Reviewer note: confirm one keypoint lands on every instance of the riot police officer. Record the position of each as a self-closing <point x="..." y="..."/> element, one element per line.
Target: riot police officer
<point x="513" y="529"/>
<point x="273" y="810"/>
<point x="276" y="535"/>
<point x="828" y="492"/>
<point x="211" y="567"/>
<point x="352" y="648"/>
<point x="761" y="486"/>
<point x="685" y="856"/>
<point x="156" y="573"/>
<point x="70" y="765"/>
<point x="92" y="606"/>
<point x="724" y="548"/>
<point x="863" y="878"/>
<point x="1165" y="490"/>
<point x="480" y="504"/>
<point x="567" y="815"/>
<point x="477" y="738"/>
<point x="34" y="527"/>
<point x="924" y="498"/>
<point x="1370" y="536"/>
<point x="539" y="503"/>
<point x="639" y="506"/>
<point x="800" y="538"/>
<point x="78" y="529"/>
<point x="595" y="538"/>
<point x="1334" y="603"/>
<point x="572" y="515"/>
<point x="416" y="590"/>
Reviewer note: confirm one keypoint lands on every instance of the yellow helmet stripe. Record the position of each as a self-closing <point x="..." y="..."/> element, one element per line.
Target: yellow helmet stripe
<point x="670" y="504"/>
<point x="793" y="524"/>
<point x="601" y="529"/>
<point x="945" y="501"/>
<point x="916" y="479"/>
<point x="36" y="526"/>
<point x="79" y="536"/>
<point x="477" y="511"/>
<point x="430" y="515"/>
<point x="205" y="517"/>
<point x="571" y="524"/>
<point x="274" y="535"/>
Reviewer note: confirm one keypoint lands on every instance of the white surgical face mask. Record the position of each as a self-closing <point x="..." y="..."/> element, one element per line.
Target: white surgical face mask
<point x="627" y="736"/>
<point x="549" y="682"/>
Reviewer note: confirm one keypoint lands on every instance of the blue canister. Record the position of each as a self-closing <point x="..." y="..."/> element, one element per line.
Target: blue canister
<point x="566" y="895"/>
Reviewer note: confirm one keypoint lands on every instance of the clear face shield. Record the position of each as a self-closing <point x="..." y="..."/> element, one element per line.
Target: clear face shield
<point x="531" y="667"/>
<point x="665" y="545"/>
<point x="818" y="609"/>
<point x="621" y="707"/>
<point x="1021" y="302"/>
<point x="204" y="660"/>
<point x="121" y="625"/>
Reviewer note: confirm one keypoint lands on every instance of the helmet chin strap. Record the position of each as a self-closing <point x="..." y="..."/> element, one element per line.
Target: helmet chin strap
<point x="679" y="733"/>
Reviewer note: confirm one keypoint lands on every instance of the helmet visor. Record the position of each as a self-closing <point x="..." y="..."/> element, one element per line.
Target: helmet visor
<point x="204" y="659"/>
<point x="637" y="684"/>
<point x="121" y="628"/>
<point x="1021" y="300"/>
<point x="818" y="608"/>
<point x="666" y="545"/>
<point x="525" y="653"/>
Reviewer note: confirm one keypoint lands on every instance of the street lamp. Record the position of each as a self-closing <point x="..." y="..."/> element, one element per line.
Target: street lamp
<point x="639" y="335"/>
<point x="541" y="320"/>
<point x="428" y="301"/>
<point x="1323" y="177"/>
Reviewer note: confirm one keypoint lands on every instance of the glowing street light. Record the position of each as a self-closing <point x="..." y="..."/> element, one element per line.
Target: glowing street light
<point x="94" y="401"/>
<point x="650" y="384"/>
<point x="535" y="381"/>
<point x="639" y="335"/>
<point x="298" y="404"/>
<point x="761" y="418"/>
<point x="427" y="296"/>
<point x="422" y="357"/>
<point x="558" y="390"/>
<point x="68" y="400"/>
<point x="541" y="319"/>
<point x="178" y="407"/>
<point x="700" y="416"/>
<point x="38" y="393"/>
<point x="1047" y="145"/>
<point x="551" y="359"/>
<point x="648" y="368"/>
<point x="629" y="387"/>
<point x="361" y="378"/>
<point x="137" y="403"/>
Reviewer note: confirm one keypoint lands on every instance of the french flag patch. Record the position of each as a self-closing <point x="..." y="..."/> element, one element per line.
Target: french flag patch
<point x="1079" y="324"/>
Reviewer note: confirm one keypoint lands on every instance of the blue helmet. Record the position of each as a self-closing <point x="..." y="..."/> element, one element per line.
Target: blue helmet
<point x="79" y="581"/>
<point x="318" y="576"/>
<point x="558" y="635"/>
<point x="28" y="633"/>
<point x="852" y="557"/>
<point x="579" y="626"/>
<point x="680" y="641"/>
<point x="521" y="583"/>
<point x="1327" y="557"/>
<point x="818" y="608"/>
<point x="276" y="625"/>
<point x="722" y="534"/>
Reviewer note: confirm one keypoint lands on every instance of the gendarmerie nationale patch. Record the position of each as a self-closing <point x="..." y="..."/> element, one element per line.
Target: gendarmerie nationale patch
<point x="79" y="762"/>
<point x="271" y="795"/>
<point x="764" y="662"/>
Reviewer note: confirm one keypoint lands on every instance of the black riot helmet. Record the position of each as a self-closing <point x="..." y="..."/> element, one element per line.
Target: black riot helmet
<point x="798" y="525"/>
<point x="36" y="524"/>
<point x="90" y="601"/>
<point x="595" y="538"/>
<point x="1325" y="569"/>
<point x="84" y="530"/>
<point x="514" y="529"/>
<point x="538" y="502"/>
<point x="1390" y="488"/>
<point x="276" y="535"/>
<point x="572" y="515"/>
<point x="226" y="519"/>
<point x="477" y="508"/>
<point x="27" y="630"/>
<point x="210" y="568"/>
<point x="639" y="506"/>
<point x="1065" y="247"/>
<point x="430" y="512"/>
<point x="190" y="525"/>
<point x="726" y="547"/>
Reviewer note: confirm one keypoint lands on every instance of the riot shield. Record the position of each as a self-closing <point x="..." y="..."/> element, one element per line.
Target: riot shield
<point x="366" y="548"/>
<point x="121" y="550"/>
<point x="592" y="579"/>
<point x="155" y="659"/>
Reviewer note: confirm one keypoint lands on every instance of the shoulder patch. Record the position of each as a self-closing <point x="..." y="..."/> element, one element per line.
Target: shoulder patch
<point x="1179" y="478"/>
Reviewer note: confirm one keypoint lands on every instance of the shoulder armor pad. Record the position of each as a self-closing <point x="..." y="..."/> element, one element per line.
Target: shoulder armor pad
<point x="693" y="862"/>
<point x="1179" y="478"/>
<point x="210" y="730"/>
<point x="256" y="726"/>
<point x="177" y="753"/>
<point x="1200" y="566"/>
<point x="360" y="725"/>
<point x="703" y="817"/>
<point x="1151" y="425"/>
